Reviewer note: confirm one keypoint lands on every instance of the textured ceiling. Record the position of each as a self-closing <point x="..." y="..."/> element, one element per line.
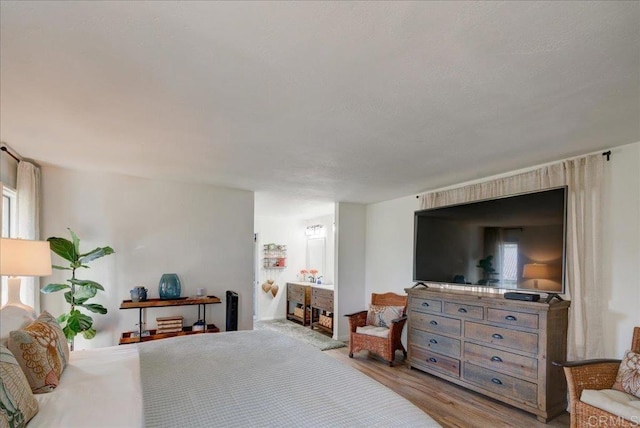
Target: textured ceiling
<point x="331" y="101"/>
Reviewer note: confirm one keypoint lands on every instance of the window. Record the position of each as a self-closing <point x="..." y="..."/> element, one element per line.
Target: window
<point x="8" y="215"/>
<point x="509" y="262"/>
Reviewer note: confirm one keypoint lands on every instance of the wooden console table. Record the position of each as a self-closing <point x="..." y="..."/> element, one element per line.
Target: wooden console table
<point x="158" y="303"/>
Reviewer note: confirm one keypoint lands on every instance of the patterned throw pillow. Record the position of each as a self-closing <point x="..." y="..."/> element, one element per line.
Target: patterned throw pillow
<point x="17" y="403"/>
<point x="42" y="351"/>
<point x="628" y="378"/>
<point x="381" y="316"/>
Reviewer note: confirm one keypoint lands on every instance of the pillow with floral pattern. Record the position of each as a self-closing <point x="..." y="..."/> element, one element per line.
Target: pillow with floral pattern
<point x="42" y="351"/>
<point x="17" y="403"/>
<point x="628" y="378"/>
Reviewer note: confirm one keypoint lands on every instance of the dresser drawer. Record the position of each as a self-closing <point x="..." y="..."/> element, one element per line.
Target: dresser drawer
<point x="432" y="360"/>
<point x="321" y="292"/>
<point x="425" y="305"/>
<point x="322" y="303"/>
<point x="501" y="361"/>
<point x="505" y="385"/>
<point x="296" y="296"/>
<point x="435" y="342"/>
<point x="519" y="319"/>
<point x="520" y="340"/>
<point x="436" y="323"/>
<point x="468" y="311"/>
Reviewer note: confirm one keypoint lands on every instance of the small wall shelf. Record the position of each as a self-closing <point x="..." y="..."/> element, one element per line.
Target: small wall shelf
<point x="274" y="256"/>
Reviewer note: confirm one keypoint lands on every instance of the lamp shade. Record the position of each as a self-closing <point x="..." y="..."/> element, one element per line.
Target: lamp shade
<point x="536" y="271"/>
<point x="22" y="257"/>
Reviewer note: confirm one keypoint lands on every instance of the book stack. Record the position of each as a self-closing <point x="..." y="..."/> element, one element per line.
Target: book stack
<point x="169" y="324"/>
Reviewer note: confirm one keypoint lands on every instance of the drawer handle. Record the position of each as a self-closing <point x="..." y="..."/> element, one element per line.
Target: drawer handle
<point x="433" y="360"/>
<point x="497" y="336"/>
<point x="496" y="381"/>
<point x="432" y="322"/>
<point x="511" y="318"/>
<point x="462" y="310"/>
<point x="433" y="341"/>
<point x="496" y="359"/>
<point x="425" y="304"/>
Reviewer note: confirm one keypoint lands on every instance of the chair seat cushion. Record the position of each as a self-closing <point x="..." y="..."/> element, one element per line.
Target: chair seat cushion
<point x="613" y="401"/>
<point x="372" y="330"/>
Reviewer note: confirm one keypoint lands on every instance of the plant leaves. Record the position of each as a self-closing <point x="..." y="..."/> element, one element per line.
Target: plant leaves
<point x="89" y="334"/>
<point x="95" y="308"/>
<point x="95" y="254"/>
<point x="63" y="248"/>
<point x="67" y="297"/>
<point x="69" y="333"/>
<point x="60" y="267"/>
<point x="76" y="241"/>
<point x="52" y="288"/>
<point x="86" y="283"/>
<point x="62" y="318"/>
<point x="83" y="294"/>
<point x="78" y="321"/>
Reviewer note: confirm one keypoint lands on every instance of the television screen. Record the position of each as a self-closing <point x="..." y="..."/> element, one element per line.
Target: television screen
<point x="515" y="243"/>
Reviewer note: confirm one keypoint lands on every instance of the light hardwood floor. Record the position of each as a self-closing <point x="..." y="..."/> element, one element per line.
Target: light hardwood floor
<point x="450" y="405"/>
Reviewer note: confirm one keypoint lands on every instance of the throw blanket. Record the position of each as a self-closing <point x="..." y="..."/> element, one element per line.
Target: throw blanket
<point x="261" y="378"/>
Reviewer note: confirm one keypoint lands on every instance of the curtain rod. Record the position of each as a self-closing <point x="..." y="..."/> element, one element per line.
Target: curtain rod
<point x="607" y="154"/>
<point x="4" y="149"/>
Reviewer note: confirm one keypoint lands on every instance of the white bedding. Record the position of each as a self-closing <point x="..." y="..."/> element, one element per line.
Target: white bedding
<point x="99" y="388"/>
<point x="285" y="383"/>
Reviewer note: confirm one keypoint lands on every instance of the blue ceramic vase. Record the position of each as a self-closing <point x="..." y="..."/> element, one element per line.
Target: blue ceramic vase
<point x="169" y="287"/>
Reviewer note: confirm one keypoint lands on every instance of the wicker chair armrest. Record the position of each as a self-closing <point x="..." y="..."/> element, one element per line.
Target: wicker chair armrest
<point x="584" y="362"/>
<point x="600" y="374"/>
<point x="355" y="314"/>
<point x="397" y="320"/>
<point x="358" y="319"/>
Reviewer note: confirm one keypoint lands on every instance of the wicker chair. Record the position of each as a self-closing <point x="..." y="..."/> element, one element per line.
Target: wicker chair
<point x="594" y="374"/>
<point x="385" y="347"/>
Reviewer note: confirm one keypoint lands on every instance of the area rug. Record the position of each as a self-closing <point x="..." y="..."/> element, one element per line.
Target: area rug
<point x="304" y="334"/>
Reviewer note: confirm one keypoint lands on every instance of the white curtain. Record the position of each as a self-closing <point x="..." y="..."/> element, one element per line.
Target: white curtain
<point x="28" y="224"/>
<point x="583" y="177"/>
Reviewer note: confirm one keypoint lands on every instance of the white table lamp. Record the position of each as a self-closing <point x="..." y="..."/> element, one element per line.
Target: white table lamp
<point x="536" y="271"/>
<point x="22" y="257"/>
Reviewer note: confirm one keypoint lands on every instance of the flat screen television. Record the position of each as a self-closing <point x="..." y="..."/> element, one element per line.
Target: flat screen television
<point x="516" y="243"/>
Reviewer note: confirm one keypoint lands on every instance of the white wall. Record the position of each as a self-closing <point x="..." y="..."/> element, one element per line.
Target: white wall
<point x="203" y="233"/>
<point x="279" y="230"/>
<point x="350" y="264"/>
<point x="390" y="241"/>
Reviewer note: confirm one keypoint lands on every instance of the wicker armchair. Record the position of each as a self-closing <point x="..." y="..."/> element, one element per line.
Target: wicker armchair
<point x="383" y="346"/>
<point x="595" y="375"/>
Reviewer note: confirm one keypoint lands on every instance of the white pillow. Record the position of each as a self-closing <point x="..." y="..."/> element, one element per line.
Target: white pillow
<point x="13" y="318"/>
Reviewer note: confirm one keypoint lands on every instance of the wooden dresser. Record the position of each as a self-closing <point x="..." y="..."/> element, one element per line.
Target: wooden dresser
<point x="298" y="301"/>
<point x="501" y="348"/>
<point x="322" y="308"/>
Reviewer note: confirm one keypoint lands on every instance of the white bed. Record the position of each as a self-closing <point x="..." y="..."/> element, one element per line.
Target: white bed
<point x="246" y="378"/>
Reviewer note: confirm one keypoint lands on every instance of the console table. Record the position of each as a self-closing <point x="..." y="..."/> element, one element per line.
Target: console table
<point x="501" y="348"/>
<point x="158" y="303"/>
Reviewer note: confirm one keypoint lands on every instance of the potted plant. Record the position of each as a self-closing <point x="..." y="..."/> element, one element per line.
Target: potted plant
<point x="79" y="291"/>
<point x="488" y="270"/>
